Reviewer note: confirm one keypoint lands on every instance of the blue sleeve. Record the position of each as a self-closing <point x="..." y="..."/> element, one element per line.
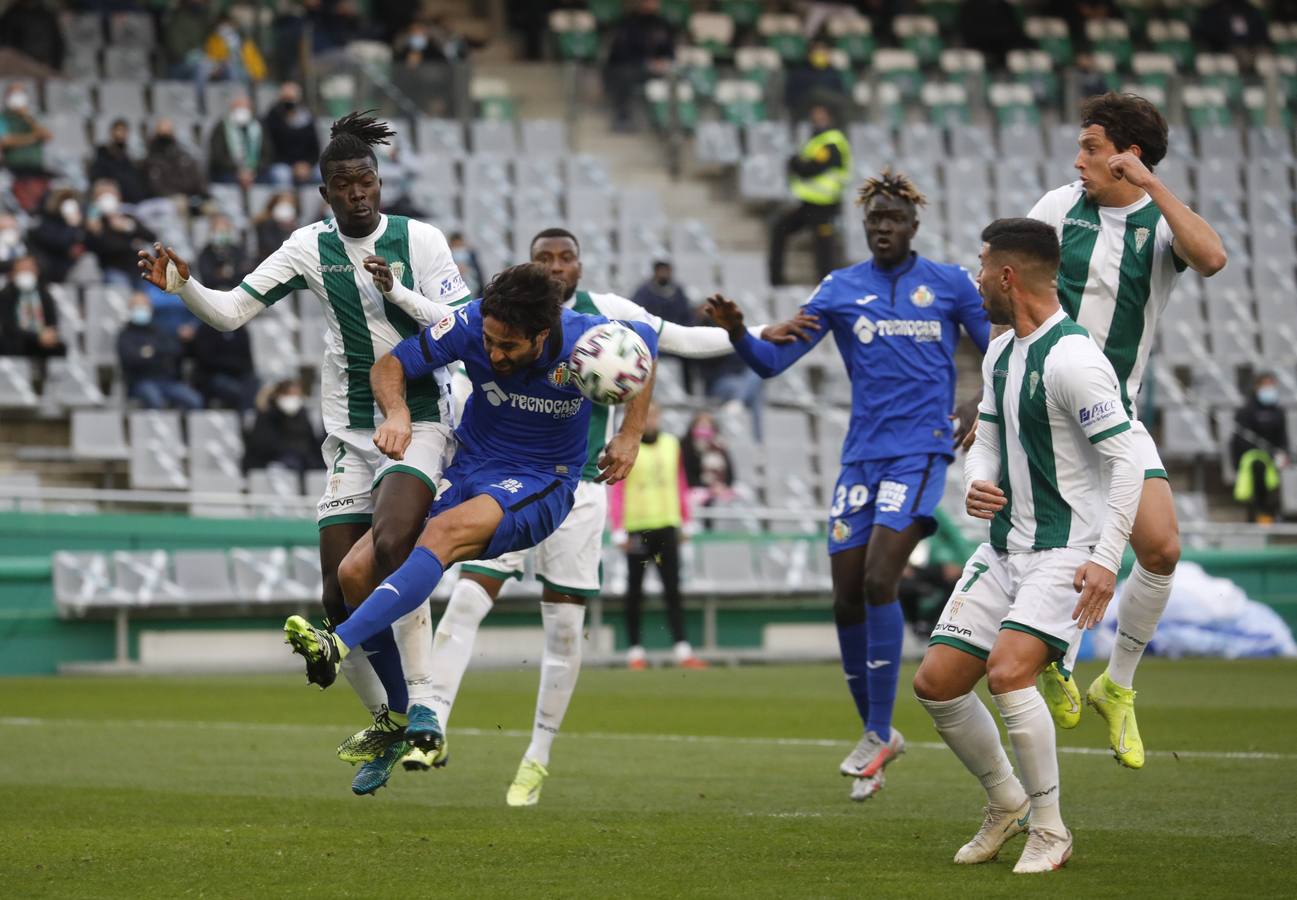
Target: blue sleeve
<point x="767" y="359"/>
<point x="968" y="308"/>
<point x="433" y="347"/>
<point x="647" y="332"/>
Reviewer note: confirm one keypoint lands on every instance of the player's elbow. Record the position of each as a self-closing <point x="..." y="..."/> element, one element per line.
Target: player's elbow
<point x="1212" y="262"/>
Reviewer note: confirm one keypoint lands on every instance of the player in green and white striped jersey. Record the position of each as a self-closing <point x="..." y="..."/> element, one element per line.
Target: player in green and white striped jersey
<point x="379" y="278"/>
<point x="1054" y="468"/>
<point x="1125" y="240"/>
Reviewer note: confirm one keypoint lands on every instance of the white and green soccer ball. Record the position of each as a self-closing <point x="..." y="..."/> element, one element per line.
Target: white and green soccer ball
<point x="610" y="363"/>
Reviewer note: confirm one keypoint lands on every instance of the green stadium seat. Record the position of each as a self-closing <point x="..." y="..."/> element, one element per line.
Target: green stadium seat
<point x="854" y="35"/>
<point x="714" y="32"/>
<point x="575" y="34"/>
<point x="1256" y="105"/>
<point x="1105" y="66"/>
<point x="676" y="12"/>
<point x="1207" y="105"/>
<point x="883" y="103"/>
<point x="757" y="64"/>
<point x="1172" y="37"/>
<point x="658" y="93"/>
<point x="1035" y="69"/>
<point x="1153" y="68"/>
<point x="1284" y="37"/>
<point x="741" y="101"/>
<point x="783" y="33"/>
<point x="696" y="67"/>
<point x="945" y="12"/>
<point x="964" y="67"/>
<point x="920" y="35"/>
<point x="841" y="62"/>
<point x="1136" y="13"/>
<point x="899" y="68"/>
<point x="744" y="12"/>
<point x="606" y="12"/>
<point x="1051" y="35"/>
<point x="1150" y="90"/>
<point x="1111" y="36"/>
<point x="491" y="99"/>
<point x="1219" y="70"/>
<point x="1014" y="104"/>
<point x="946" y="103"/>
<point x="1284" y="70"/>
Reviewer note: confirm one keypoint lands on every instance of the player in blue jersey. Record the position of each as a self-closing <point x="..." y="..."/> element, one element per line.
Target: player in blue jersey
<point x="522" y="446"/>
<point x="896" y="321"/>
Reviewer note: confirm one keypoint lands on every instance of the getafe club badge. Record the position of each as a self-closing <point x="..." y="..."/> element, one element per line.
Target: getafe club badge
<point x="841" y="530"/>
<point x="922" y="296"/>
<point x="1033" y="382"/>
<point x="559" y="375"/>
<point x="398" y="270"/>
<point x="1141" y="238"/>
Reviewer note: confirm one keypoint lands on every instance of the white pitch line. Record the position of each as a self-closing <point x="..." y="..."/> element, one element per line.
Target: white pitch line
<point x="32" y="722"/>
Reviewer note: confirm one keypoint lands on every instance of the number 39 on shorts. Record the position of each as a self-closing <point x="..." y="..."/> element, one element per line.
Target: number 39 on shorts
<point x="854" y="498"/>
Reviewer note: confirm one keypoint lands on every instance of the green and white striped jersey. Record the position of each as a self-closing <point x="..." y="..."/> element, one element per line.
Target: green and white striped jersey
<point x="363" y="324"/>
<point x="1052" y="397"/>
<point x="1116" y="274"/>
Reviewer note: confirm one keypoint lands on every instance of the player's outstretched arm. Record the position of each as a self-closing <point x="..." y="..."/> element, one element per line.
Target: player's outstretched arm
<point x="619" y="455"/>
<point x="223" y="310"/>
<point x="1196" y="242"/>
<point x="387" y="378"/>
<point x="763" y="357"/>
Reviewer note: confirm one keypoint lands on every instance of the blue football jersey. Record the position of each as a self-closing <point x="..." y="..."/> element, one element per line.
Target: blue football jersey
<point x="533" y="415"/>
<point x="896" y="331"/>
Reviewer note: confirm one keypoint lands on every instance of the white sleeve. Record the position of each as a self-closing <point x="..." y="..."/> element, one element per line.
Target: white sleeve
<point x="420" y="308"/>
<point x="279" y="274"/>
<point x="1086" y="389"/>
<point x="437" y="277"/>
<point x="982" y="463"/>
<point x="1050" y="208"/>
<point x="690" y="341"/>
<point x="223" y="310"/>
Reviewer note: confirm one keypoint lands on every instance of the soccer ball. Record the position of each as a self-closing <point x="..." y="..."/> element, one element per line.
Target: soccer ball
<point x="610" y="363"/>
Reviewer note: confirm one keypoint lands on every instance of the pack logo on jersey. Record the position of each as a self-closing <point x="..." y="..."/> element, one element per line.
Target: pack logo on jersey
<point x="1093" y="415"/>
<point x="922" y="330"/>
<point x="922" y="296"/>
<point x="1033" y="382"/>
<point x="442" y="326"/>
<point x="841" y="530"/>
<point x="559" y="375"/>
<point x="1141" y="238"/>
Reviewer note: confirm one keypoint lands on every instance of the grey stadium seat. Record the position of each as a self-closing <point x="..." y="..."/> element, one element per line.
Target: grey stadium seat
<point x="126" y="61"/>
<point x="16" y="390"/>
<point x="265" y="575"/>
<point x="440" y="138"/>
<point x="544" y="137"/>
<point x="203" y="576"/>
<point x="157" y="450"/>
<point x="69" y="382"/>
<point x="717" y="144"/>
<point x="98" y="434"/>
<point x="762" y="177"/>
<point x="82" y="581"/>
<point x="494" y="137"/>
<point x="767" y="138"/>
<point x="145" y="577"/>
<point x="215" y="450"/>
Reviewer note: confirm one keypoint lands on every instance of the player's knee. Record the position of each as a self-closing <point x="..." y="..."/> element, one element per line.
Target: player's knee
<point x="848" y="607"/>
<point x="880" y="588"/>
<point x="390" y="550"/>
<point x="1162" y="556"/>
<point x="1009" y="673"/>
<point x="929" y="685"/>
<point x="353" y="580"/>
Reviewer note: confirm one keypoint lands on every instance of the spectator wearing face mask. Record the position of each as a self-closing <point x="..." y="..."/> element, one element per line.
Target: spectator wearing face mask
<point x="59" y="238"/>
<point x="291" y="139"/>
<point x="1260" y="450"/>
<point x="223" y="368"/>
<point x="113" y="162"/>
<point x="421" y="63"/>
<point x="282" y="433"/>
<point x="169" y="168"/>
<point x="276" y="222"/>
<point x="22" y="146"/>
<point x="12" y="245"/>
<point x="706" y="460"/>
<point x="115" y="236"/>
<point x="465" y="258"/>
<point x="150" y="356"/>
<point x="224" y="261"/>
<point x="236" y="150"/>
<point x="29" y="320"/>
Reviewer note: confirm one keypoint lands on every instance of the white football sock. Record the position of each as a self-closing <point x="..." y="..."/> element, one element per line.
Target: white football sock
<point x="364" y="681"/>
<point x="1031" y="732"/>
<point x="452" y="645"/>
<point x="968" y="729"/>
<point x="559" y="668"/>
<point x="413" y="635"/>
<point x="1143" y="601"/>
<point x="683" y="651"/>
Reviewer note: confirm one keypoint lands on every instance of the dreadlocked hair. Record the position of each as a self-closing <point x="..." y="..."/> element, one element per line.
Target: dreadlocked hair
<point x="891" y="184"/>
<point x="354" y="136"/>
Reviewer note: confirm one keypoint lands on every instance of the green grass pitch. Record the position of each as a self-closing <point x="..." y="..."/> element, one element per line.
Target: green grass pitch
<point x="666" y="783"/>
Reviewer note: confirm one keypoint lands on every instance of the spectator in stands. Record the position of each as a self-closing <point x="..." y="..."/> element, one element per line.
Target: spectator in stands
<point x="150" y="358"/>
<point x="466" y="259"/>
<point x="22" y="143"/>
<point x="225" y="260"/>
<point x="59" y="238"/>
<point x="32" y="28"/>
<point x="236" y="151"/>
<point x="291" y="138"/>
<point x="113" y="161"/>
<point x="282" y="434"/>
<point x="1260" y="450"/>
<point x="115" y="236"/>
<point x="708" y="469"/>
<point x="1231" y="26"/>
<point x="650" y="516"/>
<point x="813" y="80"/>
<point x="817" y="175"/>
<point x="12" y="245"/>
<point x="276" y="222"/>
<point x="424" y="52"/>
<point x="643" y="45"/>
<point x="29" y="320"/>
<point x="993" y="27"/>
<point x="184" y="27"/>
<point x="169" y="168"/>
<point x="230" y="55"/>
<point x="223" y="369"/>
<point x="664" y="297"/>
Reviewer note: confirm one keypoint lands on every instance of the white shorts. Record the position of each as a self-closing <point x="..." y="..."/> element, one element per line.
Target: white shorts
<point x="1146" y="451"/>
<point x="355" y="467"/>
<point x="568" y="561"/>
<point x="1030" y="592"/>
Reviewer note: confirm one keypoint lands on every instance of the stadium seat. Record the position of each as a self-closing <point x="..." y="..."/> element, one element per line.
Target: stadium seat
<point x="544" y="137"/>
<point x="1154" y="68"/>
<point x="144" y="577"/>
<point x="743" y="12"/>
<point x="696" y="66"/>
<point x="757" y="64"/>
<point x="203" y="576"/>
<point x="215" y="450"/>
<point x="666" y="113"/>
<point x="157" y="450"/>
<point x="921" y="144"/>
<point x="741" y="102"/>
<point x="440" y="138"/>
<point x="784" y="34"/>
<point x="1221" y="143"/>
<point x="1173" y="38"/>
<point x="763" y="177"/>
<point x="725" y="567"/>
<point x="712" y="31"/>
<point x="575" y="34"/>
<point x="945" y="103"/>
<point x="266" y="576"/>
<point x="872" y="146"/>
<point x="717" y="143"/>
<point x="920" y="35"/>
<point x="126" y="61"/>
<point x="82" y="581"/>
<point x="1052" y="36"/>
<point x="899" y="68"/>
<point x="1037" y="71"/>
<point x="275" y="481"/>
<point x="70" y="382"/>
<point x="767" y="138"/>
<point x="606" y="12"/>
<point x="1186" y="435"/>
<point x="1219" y="70"/>
<point x="853" y="34"/>
<point x="306" y="569"/>
<point x="495" y="137"/>
<point x="964" y="67"/>
<point x="16" y="390"/>
<point x="70" y="97"/>
<point x="1207" y="106"/>
<point x="492" y="99"/>
<point x="1111" y="36"/>
<point x="98" y="434"/>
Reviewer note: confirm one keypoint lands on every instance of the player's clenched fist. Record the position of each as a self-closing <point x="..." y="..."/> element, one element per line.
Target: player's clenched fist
<point x="1131" y="168"/>
<point x="984" y="500"/>
<point x="393" y="436"/>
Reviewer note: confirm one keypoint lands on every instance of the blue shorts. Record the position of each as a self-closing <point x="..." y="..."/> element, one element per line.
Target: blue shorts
<point x="894" y="493"/>
<point x="535" y="500"/>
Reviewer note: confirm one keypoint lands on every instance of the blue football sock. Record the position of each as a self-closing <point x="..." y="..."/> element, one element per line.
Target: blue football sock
<point x="402" y="592"/>
<point x="854" y="641"/>
<point x="886" y="627"/>
<point x="386" y="660"/>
